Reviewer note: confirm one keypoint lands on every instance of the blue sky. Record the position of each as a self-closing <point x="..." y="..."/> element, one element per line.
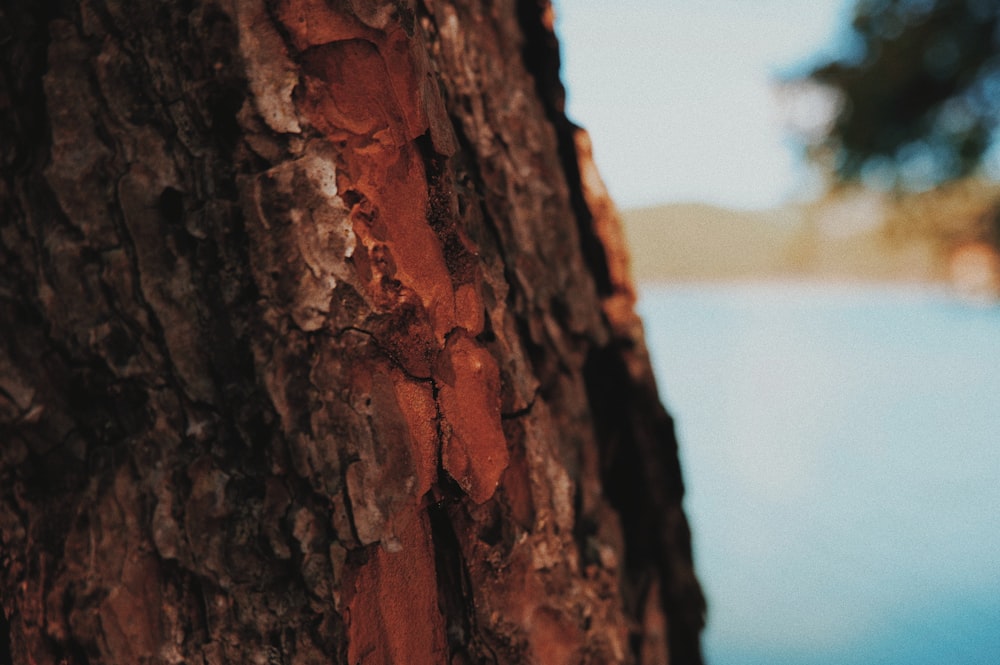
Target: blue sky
<point x="679" y="95"/>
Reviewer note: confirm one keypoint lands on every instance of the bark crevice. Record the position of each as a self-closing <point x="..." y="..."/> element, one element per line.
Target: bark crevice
<point x="454" y="592"/>
<point x="6" y="656"/>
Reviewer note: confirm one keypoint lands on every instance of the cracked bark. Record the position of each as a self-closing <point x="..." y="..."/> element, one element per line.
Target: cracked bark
<point x="319" y="345"/>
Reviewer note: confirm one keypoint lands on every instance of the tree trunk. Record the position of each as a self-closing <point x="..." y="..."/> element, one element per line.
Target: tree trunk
<point x="318" y="346"/>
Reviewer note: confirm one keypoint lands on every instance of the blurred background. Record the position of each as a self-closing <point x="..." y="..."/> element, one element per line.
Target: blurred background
<point x="811" y="190"/>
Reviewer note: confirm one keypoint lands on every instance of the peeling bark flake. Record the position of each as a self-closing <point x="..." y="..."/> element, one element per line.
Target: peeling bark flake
<point x="394" y="615"/>
<point x="474" y="450"/>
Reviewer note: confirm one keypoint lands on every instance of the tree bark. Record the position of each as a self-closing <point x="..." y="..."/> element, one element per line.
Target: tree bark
<point x="319" y="346"/>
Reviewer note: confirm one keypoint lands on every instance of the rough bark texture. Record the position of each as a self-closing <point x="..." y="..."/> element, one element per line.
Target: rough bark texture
<point x="318" y="346"/>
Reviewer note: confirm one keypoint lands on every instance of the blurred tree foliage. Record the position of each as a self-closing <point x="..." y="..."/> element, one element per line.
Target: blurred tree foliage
<point x="919" y="91"/>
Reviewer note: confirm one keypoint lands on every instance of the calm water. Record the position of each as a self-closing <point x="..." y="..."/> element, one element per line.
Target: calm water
<point x="841" y="447"/>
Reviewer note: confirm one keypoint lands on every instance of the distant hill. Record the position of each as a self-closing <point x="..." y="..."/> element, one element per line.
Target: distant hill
<point x="702" y="242"/>
<point x="832" y="240"/>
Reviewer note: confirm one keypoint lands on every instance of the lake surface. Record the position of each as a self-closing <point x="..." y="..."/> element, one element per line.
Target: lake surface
<point x="841" y="448"/>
